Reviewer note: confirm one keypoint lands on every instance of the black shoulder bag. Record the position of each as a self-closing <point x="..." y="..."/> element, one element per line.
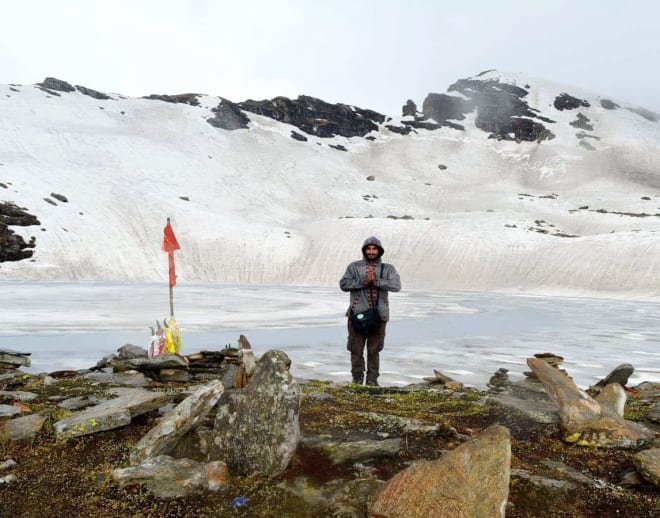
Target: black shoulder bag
<point x="368" y="320"/>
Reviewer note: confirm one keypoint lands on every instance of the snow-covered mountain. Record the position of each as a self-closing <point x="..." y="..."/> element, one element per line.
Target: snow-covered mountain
<point x="502" y="183"/>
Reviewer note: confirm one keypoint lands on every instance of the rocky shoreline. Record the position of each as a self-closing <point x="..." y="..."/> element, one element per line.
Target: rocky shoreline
<point x="222" y="433"/>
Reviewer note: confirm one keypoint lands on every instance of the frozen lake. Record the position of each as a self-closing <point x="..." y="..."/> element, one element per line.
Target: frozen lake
<point x="465" y="335"/>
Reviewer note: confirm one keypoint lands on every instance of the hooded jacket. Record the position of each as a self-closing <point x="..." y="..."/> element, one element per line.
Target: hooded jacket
<point x="356" y="273"/>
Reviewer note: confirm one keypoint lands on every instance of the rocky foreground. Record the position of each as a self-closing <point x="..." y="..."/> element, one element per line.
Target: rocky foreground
<point x="223" y="433"/>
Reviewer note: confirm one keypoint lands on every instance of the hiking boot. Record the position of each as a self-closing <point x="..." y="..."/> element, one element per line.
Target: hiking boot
<point x="358" y="380"/>
<point x="372" y="383"/>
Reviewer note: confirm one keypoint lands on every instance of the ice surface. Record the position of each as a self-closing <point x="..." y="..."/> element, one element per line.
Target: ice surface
<point x="465" y="335"/>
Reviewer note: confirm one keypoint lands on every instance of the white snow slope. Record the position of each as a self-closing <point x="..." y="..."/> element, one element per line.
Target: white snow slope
<point x="264" y="208"/>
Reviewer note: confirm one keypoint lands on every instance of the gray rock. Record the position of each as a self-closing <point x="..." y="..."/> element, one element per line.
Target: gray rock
<point x="7" y="464"/>
<point x="408" y="425"/>
<point x="257" y="428"/>
<point x="166" y="477"/>
<point x="565" y="472"/>
<point x="14" y="360"/>
<point x="469" y="481"/>
<point x="22" y="429"/>
<point x="17" y="395"/>
<point x="654" y="414"/>
<point x="156" y="363"/>
<point x="539" y="411"/>
<point x="619" y="375"/>
<point x="529" y="390"/>
<point x="196" y="445"/>
<point x="613" y="397"/>
<point x="544" y="482"/>
<point x="127" y="379"/>
<point x="9" y="411"/>
<point x="170" y="375"/>
<point x="648" y="464"/>
<point x="128" y="352"/>
<point x="110" y="414"/>
<point x="78" y="403"/>
<point x="163" y="437"/>
<point x="355" y="451"/>
<point x="8" y="479"/>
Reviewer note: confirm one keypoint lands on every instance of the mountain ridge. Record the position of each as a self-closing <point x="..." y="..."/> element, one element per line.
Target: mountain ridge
<point x="488" y="180"/>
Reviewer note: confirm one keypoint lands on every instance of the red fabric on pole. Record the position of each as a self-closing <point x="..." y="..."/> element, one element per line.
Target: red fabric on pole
<point x="172" y="271"/>
<point x="170" y="244"/>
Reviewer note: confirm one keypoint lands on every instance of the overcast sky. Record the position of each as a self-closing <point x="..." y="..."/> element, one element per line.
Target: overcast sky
<point x="371" y="53"/>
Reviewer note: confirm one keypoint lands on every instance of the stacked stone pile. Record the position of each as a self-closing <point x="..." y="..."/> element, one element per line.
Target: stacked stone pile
<point x="551" y="359"/>
<point x="499" y="382"/>
<point x="10" y="360"/>
<point x="210" y="365"/>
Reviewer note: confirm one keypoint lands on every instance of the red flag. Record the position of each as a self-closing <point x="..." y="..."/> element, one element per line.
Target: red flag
<point x="170" y="244"/>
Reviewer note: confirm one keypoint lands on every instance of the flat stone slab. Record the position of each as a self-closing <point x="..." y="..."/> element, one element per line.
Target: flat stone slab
<point x="110" y="414"/>
<point x="539" y="411"/>
<point x="156" y="363"/>
<point x="9" y="411"/>
<point x="15" y="359"/>
<point x="355" y="451"/>
<point x="17" y="395"/>
<point x="164" y="436"/>
<point x="11" y="351"/>
<point x="22" y="429"/>
<point x="128" y="379"/>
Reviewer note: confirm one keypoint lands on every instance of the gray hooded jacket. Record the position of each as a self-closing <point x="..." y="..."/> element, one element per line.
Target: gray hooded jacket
<point x="356" y="273"/>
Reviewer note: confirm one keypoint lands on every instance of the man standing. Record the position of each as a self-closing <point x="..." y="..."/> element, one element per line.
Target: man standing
<point x="369" y="281"/>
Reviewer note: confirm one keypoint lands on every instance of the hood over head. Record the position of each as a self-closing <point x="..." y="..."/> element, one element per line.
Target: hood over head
<point x="373" y="240"/>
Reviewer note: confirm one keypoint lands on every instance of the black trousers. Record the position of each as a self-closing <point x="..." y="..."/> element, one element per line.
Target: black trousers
<point x="374" y="342"/>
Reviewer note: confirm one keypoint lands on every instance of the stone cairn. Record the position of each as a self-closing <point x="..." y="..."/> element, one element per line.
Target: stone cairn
<point x="499" y="382"/>
<point x="233" y="365"/>
<point x="552" y="359"/>
<point x="11" y="361"/>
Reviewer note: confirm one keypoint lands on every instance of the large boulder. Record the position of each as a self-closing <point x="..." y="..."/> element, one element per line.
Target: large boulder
<point x="648" y="464"/>
<point x="256" y="428"/>
<point x="164" y="436"/>
<point x="471" y="481"/>
<point x="583" y="420"/>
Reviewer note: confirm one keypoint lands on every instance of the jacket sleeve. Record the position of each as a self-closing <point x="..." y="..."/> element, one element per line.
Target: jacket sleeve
<point x="391" y="281"/>
<point x="350" y="280"/>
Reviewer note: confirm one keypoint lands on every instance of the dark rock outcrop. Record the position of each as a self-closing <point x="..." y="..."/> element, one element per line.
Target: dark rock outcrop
<point x="297" y="136"/>
<point x="582" y="122"/>
<point x="190" y="99"/>
<point x="608" y="105"/>
<point x="501" y="110"/>
<point x="92" y="93"/>
<point x="51" y="83"/>
<point x="228" y="116"/>
<point x="565" y="101"/>
<point x="12" y="246"/>
<point x="317" y="117"/>
<point x="409" y="109"/>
